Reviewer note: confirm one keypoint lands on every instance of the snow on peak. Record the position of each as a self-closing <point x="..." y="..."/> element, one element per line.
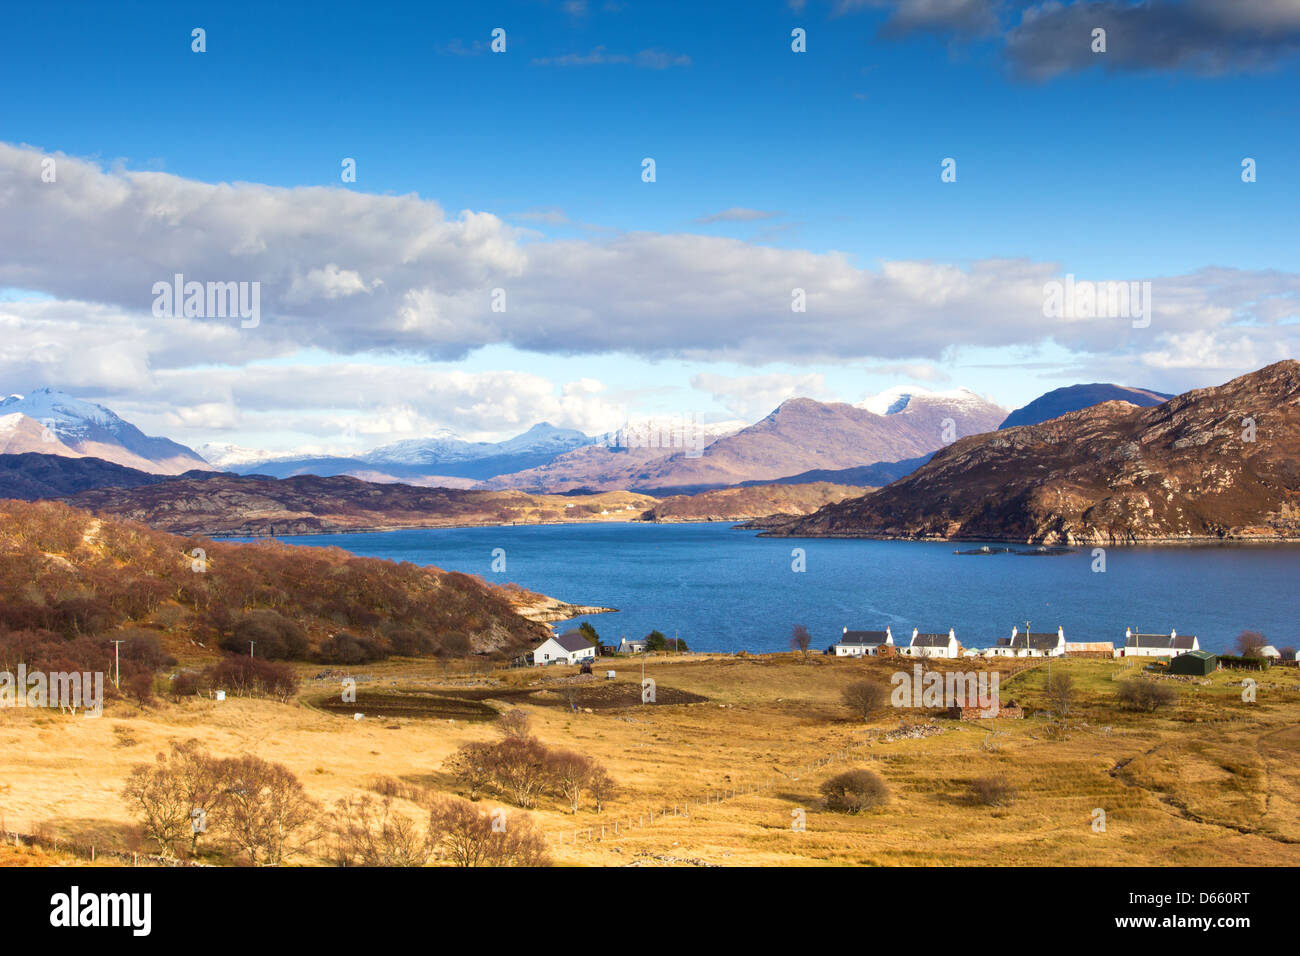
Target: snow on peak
<point x="894" y="400"/>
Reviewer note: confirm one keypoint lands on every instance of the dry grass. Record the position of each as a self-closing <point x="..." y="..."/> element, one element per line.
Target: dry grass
<point x="1212" y="781"/>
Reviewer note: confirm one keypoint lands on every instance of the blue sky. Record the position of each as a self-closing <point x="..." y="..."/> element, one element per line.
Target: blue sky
<point x="1122" y="166"/>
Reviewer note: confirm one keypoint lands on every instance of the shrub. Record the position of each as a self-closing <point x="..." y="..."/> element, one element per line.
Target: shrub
<point x="865" y="697"/>
<point x="855" y="790"/>
<point x="369" y="832"/>
<point x="275" y="637"/>
<point x="1145" y="695"/>
<point x="253" y="677"/>
<point x="466" y="835"/>
<point x="344" y="648"/>
<point x="184" y="684"/>
<point x="993" y="791"/>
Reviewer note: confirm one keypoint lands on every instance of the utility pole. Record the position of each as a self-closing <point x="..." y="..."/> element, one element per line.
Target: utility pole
<point x="117" y="664"/>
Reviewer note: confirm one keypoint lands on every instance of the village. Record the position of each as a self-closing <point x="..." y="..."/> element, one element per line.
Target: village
<point x="1182" y="652"/>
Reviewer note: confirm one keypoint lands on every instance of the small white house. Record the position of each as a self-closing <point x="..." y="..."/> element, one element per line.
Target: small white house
<point x="1271" y="652"/>
<point x="863" y="643"/>
<point x="569" y="648"/>
<point x="632" y="647"/>
<point x="1029" y="644"/>
<point x="1158" y="645"/>
<point x="932" y="645"/>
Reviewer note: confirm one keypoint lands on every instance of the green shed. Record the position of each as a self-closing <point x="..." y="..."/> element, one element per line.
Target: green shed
<point x="1199" y="663"/>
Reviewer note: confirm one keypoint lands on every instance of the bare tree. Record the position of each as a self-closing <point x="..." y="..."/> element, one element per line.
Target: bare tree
<point x="1250" y="642"/>
<point x="468" y="837"/>
<point x="601" y="786"/>
<point x="800" y="639"/>
<point x="571" y="773"/>
<point x="514" y="723"/>
<point x="519" y="768"/>
<point x="162" y="807"/>
<point x="369" y="832"/>
<point x="472" y="765"/>
<point x="266" y="808"/>
<point x="1060" y="693"/>
<point x="866" y="697"/>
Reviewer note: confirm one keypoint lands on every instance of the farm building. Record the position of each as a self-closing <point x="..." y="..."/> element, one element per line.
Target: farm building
<point x="1158" y="645"/>
<point x="862" y="643"/>
<point x="1198" y="663"/>
<point x="637" y="646"/>
<point x="569" y="648"/>
<point x="1089" y="649"/>
<point x="1271" y="652"/>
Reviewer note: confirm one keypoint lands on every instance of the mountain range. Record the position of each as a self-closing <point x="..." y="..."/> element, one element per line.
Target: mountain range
<point x="801" y="435"/>
<point x="50" y="422"/>
<point x="872" y="443"/>
<point x="1210" y="464"/>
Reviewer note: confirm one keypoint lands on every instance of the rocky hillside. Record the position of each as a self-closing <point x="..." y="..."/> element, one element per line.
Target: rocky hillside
<point x="1192" y="468"/>
<point x="68" y="572"/>
<point x="758" y="501"/>
<point x="31" y="475"/>
<point x="248" y="505"/>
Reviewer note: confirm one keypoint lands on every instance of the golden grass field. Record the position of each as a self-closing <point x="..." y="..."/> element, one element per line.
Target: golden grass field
<point x="1211" y="781"/>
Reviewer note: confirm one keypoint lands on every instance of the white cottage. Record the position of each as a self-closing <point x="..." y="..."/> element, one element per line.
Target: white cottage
<point x="863" y="643"/>
<point x="932" y="645"/>
<point x="637" y="646"/>
<point x="1158" y="645"/>
<point x="569" y="648"/>
<point x="1028" y="644"/>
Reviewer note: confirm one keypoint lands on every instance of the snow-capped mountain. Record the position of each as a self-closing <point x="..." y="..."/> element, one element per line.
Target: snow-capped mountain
<point x="92" y="431"/>
<point x="668" y="432"/>
<point x="442" y="454"/>
<point x="20" y="434"/>
<point x="902" y="397"/>
<point x="446" y="447"/>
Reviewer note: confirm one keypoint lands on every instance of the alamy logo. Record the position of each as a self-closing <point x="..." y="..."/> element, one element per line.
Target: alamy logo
<point x="978" y="689"/>
<point x="133" y="910"/>
<point x="683" y="434"/>
<point x="62" y="689"/>
<point x="1098" y="300"/>
<point x="210" y="300"/>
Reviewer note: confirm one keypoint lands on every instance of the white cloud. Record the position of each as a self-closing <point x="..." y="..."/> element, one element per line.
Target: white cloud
<point x="753" y="396"/>
<point x="347" y="273"/>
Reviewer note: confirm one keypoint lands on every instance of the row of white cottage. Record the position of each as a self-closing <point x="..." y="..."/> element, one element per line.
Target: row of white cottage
<point x="872" y="643"/>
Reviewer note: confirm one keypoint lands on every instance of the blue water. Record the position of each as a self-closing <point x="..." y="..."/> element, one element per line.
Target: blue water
<point x="722" y="589"/>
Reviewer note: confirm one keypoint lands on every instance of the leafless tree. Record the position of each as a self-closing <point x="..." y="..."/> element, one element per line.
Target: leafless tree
<point x="800" y="639"/>
<point x="369" y="832"/>
<point x="519" y="768"/>
<point x="601" y="786"/>
<point x="473" y="766"/>
<point x="571" y="773"/>
<point x="1060" y="693"/>
<point x="266" y="808"/>
<point x="1250" y="642"/>
<point x="466" y="836"/>
<point x="866" y="697"/>
<point x="514" y="723"/>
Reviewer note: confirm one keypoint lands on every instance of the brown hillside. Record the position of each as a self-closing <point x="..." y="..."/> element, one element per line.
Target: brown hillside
<point x="66" y="571"/>
<point x="1113" y="473"/>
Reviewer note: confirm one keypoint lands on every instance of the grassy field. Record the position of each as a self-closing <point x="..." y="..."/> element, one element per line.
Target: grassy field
<point x="1211" y="781"/>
